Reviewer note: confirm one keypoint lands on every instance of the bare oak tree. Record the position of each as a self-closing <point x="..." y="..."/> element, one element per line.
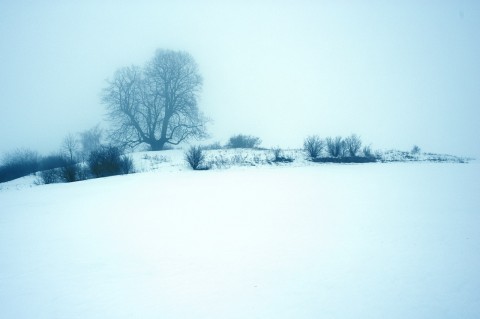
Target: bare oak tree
<point x="157" y="104"/>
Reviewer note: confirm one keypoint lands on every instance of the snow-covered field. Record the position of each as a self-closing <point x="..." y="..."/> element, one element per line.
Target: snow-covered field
<point x="395" y="240"/>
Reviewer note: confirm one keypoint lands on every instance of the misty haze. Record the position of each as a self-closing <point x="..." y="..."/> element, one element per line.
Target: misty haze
<point x="212" y="159"/>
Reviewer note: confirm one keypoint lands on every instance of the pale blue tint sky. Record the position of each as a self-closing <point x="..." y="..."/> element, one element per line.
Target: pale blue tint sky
<point x="397" y="73"/>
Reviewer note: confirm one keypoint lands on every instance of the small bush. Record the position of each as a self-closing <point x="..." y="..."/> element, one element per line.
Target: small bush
<point x="367" y="152"/>
<point x="352" y="145"/>
<point x="313" y="146"/>
<point x="108" y="161"/>
<point x="50" y="176"/>
<point x="243" y="141"/>
<point x="64" y="171"/>
<point x="195" y="157"/>
<point x="277" y="153"/>
<point x="69" y="172"/>
<point x="279" y="156"/>
<point x="415" y="150"/>
<point x="335" y="146"/>
<point x="126" y="165"/>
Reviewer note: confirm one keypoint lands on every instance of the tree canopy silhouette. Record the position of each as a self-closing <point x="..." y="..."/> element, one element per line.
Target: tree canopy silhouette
<point x="156" y="104"/>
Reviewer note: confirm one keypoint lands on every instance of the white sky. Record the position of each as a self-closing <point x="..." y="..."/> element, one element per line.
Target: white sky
<point x="397" y="73"/>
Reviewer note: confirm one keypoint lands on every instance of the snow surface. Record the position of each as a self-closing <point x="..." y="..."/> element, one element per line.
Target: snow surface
<point x="396" y="240"/>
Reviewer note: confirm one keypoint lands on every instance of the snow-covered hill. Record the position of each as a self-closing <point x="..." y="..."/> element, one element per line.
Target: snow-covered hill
<point x="396" y="240"/>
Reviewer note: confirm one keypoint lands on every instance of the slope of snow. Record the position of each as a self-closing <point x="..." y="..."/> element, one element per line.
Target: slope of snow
<point x="174" y="161"/>
<point x="397" y="240"/>
<point x="401" y="156"/>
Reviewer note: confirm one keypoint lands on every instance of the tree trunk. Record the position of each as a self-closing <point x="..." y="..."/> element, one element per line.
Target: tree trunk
<point x="157" y="145"/>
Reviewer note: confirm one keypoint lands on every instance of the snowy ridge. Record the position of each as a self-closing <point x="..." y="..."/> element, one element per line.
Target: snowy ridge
<point x="174" y="161"/>
<point x="402" y="156"/>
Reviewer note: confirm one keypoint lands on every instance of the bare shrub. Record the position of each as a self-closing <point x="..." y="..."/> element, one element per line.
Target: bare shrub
<point x="107" y="161"/>
<point x="49" y="176"/>
<point x="62" y="170"/>
<point x="126" y="165"/>
<point x="243" y="141"/>
<point x="195" y="157"/>
<point x="367" y="152"/>
<point x="277" y="153"/>
<point x="415" y="150"/>
<point x="352" y="144"/>
<point x="279" y="156"/>
<point x="335" y="146"/>
<point x="69" y="172"/>
<point x="313" y="146"/>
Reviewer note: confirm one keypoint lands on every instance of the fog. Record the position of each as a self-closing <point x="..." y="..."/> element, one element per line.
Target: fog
<point x="395" y="74"/>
